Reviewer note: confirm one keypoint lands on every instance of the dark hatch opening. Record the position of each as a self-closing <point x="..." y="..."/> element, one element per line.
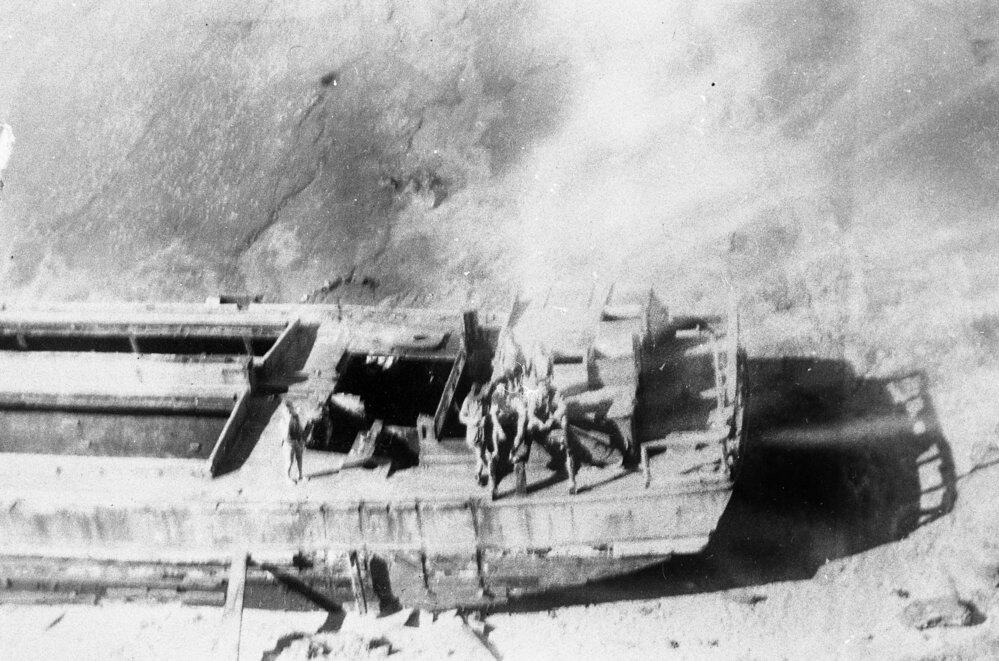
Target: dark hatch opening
<point x="395" y="390"/>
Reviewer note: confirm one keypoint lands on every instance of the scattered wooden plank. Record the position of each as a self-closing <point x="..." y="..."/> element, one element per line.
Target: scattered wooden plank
<point x="227" y="644"/>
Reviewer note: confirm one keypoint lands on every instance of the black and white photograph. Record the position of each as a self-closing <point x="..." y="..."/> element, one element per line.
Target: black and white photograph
<point x="499" y="330"/>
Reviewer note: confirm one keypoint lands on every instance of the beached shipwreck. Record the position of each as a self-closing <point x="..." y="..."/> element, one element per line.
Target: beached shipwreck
<point x="141" y="448"/>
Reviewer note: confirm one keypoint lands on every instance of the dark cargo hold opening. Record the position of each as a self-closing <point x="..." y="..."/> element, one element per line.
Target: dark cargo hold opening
<point x="395" y="390"/>
<point x="144" y="343"/>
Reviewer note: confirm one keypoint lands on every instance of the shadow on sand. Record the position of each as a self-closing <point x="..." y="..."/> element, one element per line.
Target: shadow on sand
<point x="835" y="464"/>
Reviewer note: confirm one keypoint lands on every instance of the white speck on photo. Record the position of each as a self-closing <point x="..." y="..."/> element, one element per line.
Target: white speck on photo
<point x="6" y="144"/>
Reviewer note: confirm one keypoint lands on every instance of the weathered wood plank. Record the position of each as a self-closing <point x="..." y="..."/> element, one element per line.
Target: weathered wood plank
<point x="227" y="644"/>
<point x="118" y="375"/>
<point x="230" y="433"/>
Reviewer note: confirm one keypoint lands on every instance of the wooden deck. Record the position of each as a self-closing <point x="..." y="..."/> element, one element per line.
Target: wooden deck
<point x="149" y="509"/>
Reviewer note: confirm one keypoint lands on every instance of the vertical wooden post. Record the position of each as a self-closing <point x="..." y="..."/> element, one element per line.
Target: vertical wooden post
<point x="227" y="644"/>
<point x="471" y="330"/>
<point x="447" y="397"/>
<point x="646" y="469"/>
<point x="357" y="583"/>
<point x="719" y="379"/>
<point x="732" y="366"/>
